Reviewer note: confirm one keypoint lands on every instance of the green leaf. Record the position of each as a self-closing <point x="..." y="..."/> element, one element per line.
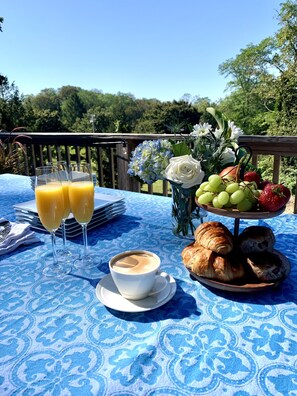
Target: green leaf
<point x="181" y="148"/>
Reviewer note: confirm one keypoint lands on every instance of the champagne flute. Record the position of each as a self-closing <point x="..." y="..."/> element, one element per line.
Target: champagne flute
<point x="64" y="177"/>
<point x="81" y="197"/>
<point x="50" y="207"/>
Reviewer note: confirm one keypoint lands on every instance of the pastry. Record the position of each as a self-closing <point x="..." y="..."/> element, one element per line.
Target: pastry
<point x="215" y="236"/>
<point x="256" y="239"/>
<point x="204" y="262"/>
<point x="269" y="266"/>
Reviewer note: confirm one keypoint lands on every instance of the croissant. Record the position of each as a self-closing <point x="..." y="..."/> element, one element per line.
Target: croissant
<point x="204" y="262"/>
<point x="215" y="236"/>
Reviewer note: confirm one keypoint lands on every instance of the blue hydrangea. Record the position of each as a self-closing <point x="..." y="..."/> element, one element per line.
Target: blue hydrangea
<point x="150" y="159"/>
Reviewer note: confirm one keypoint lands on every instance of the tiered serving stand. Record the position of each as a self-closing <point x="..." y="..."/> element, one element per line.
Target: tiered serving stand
<point x="247" y="284"/>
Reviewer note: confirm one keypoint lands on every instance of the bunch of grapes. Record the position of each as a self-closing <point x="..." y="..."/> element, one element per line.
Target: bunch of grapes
<point x="225" y="192"/>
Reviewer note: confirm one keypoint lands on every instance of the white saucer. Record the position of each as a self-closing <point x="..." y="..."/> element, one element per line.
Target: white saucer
<point x="108" y="294"/>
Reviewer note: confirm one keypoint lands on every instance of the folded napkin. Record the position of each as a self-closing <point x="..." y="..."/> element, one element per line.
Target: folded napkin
<point x="19" y="234"/>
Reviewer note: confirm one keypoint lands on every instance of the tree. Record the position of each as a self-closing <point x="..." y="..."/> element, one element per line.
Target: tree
<point x="72" y="109"/>
<point x="11" y="107"/>
<point x="47" y="121"/>
<point x="264" y="79"/>
<point x="1" y="22"/>
<point x="169" y="117"/>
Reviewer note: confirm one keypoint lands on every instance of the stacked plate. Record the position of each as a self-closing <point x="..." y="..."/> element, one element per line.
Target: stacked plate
<point x="106" y="208"/>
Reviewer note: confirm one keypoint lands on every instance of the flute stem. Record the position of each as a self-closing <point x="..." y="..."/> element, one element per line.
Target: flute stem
<point x="85" y="239"/>
<point x="55" y="257"/>
<point x="63" y="226"/>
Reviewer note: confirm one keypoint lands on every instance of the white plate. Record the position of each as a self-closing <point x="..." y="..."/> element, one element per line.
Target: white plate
<point x="101" y="201"/>
<point x="108" y="294"/>
<point x="106" y="208"/>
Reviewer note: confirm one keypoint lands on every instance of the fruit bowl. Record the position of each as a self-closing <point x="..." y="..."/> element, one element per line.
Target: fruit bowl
<point x="230" y="212"/>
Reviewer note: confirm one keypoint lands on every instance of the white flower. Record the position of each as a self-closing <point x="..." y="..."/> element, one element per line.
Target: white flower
<point x="235" y="131"/>
<point x="227" y="156"/>
<point x="201" y="129"/>
<point x="218" y="133"/>
<point x="184" y="170"/>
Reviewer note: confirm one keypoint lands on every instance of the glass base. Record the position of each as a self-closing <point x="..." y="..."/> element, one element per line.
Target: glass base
<point x="86" y="262"/>
<point x="64" y="253"/>
<point x="57" y="271"/>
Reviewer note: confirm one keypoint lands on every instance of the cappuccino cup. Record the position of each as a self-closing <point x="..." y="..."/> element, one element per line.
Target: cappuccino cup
<point x="134" y="273"/>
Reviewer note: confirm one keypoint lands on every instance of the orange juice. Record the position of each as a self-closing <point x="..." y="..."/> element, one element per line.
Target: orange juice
<point x="65" y="186"/>
<point x="81" y="196"/>
<point x="50" y="205"/>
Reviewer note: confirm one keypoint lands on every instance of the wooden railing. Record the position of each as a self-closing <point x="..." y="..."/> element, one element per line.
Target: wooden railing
<point x="110" y="153"/>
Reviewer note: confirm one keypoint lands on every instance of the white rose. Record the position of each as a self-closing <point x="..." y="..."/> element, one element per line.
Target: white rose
<point x="184" y="170"/>
<point x="227" y="156"/>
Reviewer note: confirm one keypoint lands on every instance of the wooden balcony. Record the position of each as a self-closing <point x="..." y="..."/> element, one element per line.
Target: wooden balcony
<point x="109" y="154"/>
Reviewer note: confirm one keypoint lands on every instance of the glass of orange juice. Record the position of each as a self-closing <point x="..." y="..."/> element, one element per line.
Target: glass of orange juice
<point x="81" y="197"/>
<point x="50" y="207"/>
<point x="64" y="177"/>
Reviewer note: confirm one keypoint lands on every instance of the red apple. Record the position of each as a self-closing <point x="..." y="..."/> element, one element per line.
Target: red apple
<point x="229" y="171"/>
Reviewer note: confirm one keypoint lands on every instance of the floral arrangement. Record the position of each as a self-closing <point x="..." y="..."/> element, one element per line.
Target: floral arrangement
<point x="185" y="163"/>
<point x="204" y="152"/>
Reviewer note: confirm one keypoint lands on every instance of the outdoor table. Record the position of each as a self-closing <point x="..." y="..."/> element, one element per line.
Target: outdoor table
<point x="57" y="338"/>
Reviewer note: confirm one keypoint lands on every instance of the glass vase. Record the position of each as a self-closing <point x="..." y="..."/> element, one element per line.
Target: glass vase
<point x="186" y="215"/>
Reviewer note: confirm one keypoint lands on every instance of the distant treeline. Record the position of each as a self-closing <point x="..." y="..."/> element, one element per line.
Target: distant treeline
<point x="262" y="97"/>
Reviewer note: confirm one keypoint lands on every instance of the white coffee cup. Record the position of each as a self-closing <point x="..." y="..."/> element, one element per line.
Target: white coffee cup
<point x="134" y="273"/>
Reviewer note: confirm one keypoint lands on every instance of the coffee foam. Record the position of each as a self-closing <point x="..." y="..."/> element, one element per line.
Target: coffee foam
<point x="135" y="264"/>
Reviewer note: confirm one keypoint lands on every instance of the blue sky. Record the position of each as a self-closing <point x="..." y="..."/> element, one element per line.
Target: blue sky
<point x="150" y="48"/>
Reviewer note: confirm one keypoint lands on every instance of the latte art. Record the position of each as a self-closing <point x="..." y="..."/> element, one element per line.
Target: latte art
<point x="135" y="264"/>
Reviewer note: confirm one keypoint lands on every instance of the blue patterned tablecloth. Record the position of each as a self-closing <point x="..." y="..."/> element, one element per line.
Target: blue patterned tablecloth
<point x="56" y="338"/>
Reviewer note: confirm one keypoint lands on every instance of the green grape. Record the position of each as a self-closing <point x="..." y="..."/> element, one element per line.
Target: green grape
<point x="222" y="187"/>
<point x="244" y="205"/>
<point x="223" y="198"/>
<point x="251" y="195"/>
<point x="199" y="192"/>
<point x="205" y="198"/>
<point x="216" y="203"/>
<point x="202" y="185"/>
<point x="246" y="191"/>
<point x="237" y="197"/>
<point x="210" y="188"/>
<point x="232" y="187"/>
<point x="229" y="178"/>
<point x="257" y="193"/>
<point x="243" y="184"/>
<point x="215" y="181"/>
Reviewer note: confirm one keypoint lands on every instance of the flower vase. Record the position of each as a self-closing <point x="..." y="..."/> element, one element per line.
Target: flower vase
<point x="186" y="215"/>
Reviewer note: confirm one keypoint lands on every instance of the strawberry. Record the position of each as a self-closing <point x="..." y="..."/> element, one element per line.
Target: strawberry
<point x="251" y="176"/>
<point x="273" y="197"/>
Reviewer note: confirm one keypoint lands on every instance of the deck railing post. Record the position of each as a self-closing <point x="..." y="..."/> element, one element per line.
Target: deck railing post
<point x="125" y="182"/>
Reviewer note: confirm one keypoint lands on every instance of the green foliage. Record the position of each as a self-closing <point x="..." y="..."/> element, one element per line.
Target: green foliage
<point x="11" y="108"/>
<point x="169" y="117"/>
<point x="11" y="158"/>
<point x="264" y="80"/>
